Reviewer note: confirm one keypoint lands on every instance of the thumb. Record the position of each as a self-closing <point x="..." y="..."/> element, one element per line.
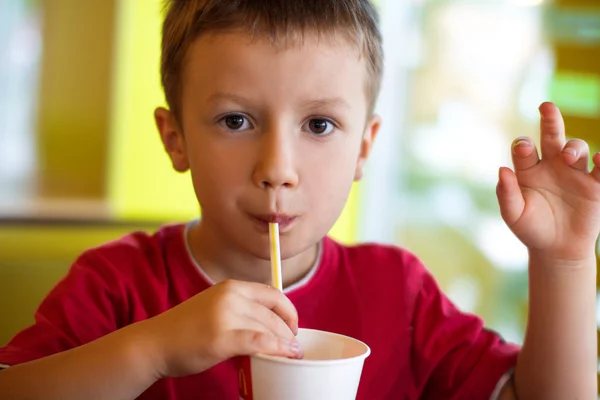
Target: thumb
<point x="509" y="195"/>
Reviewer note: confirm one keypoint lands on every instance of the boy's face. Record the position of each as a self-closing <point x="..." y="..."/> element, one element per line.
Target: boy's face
<point x="270" y="134"/>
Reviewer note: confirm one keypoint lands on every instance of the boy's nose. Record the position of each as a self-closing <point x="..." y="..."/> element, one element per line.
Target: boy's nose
<point x="275" y="164"/>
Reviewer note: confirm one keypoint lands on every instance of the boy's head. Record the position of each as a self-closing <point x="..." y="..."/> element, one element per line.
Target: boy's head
<point x="282" y="22"/>
<point x="271" y="110"/>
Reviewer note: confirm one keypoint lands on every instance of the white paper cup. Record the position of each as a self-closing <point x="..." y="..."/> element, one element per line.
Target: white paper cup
<point x="330" y="370"/>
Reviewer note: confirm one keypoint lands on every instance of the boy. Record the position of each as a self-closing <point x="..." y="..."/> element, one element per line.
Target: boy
<point x="271" y="109"/>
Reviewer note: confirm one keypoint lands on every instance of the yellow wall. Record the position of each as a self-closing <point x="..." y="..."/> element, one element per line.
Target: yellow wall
<point x="73" y="99"/>
<point x="142" y="184"/>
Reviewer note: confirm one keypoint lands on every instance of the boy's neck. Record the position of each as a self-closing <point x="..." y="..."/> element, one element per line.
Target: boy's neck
<point x="220" y="261"/>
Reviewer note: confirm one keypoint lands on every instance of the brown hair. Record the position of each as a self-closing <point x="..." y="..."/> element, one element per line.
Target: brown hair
<point x="279" y="20"/>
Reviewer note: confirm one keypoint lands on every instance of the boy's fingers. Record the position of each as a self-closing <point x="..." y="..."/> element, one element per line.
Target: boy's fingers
<point x="274" y="300"/>
<point x="256" y="341"/>
<point x="510" y="197"/>
<point x="271" y="321"/>
<point x="552" y="131"/>
<point x="576" y="154"/>
<point x="524" y="154"/>
<point x="596" y="170"/>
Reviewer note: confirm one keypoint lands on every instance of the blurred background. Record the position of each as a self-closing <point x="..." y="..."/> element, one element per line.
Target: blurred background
<point x="81" y="161"/>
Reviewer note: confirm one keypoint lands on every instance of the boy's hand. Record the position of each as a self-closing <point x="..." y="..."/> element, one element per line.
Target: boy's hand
<point x="230" y="319"/>
<point x="552" y="205"/>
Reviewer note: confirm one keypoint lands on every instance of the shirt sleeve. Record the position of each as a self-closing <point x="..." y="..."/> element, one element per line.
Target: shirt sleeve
<point x="454" y="355"/>
<point x="79" y="309"/>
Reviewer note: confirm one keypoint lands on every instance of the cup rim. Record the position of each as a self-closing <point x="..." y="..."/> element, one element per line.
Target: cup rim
<point x="317" y="363"/>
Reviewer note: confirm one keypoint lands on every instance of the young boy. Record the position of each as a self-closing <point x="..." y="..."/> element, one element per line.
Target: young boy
<point x="271" y="108"/>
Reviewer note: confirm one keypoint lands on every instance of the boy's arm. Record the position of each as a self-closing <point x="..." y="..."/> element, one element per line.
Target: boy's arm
<point x="553" y="330"/>
<point x="235" y="318"/>
<point x="559" y="356"/>
<point x="117" y="366"/>
<point x="551" y="202"/>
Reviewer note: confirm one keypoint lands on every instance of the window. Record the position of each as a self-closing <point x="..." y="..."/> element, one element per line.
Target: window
<point x="20" y="43"/>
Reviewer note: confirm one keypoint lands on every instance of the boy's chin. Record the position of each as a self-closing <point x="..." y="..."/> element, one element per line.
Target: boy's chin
<point x="262" y="251"/>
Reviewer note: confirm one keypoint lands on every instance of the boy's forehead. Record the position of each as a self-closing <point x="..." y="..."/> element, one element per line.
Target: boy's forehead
<point x="239" y="60"/>
<point x="285" y="41"/>
<point x="206" y="45"/>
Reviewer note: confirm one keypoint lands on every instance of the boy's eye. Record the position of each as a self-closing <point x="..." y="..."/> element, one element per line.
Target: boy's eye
<point x="235" y="122"/>
<point x="320" y="126"/>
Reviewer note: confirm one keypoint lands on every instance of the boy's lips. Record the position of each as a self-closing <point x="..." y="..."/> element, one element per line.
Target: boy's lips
<point x="264" y="220"/>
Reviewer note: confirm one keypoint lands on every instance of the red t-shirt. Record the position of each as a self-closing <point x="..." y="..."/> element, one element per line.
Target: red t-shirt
<point x="421" y="345"/>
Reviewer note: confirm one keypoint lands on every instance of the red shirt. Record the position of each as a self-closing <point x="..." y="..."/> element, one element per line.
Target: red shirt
<point x="421" y="345"/>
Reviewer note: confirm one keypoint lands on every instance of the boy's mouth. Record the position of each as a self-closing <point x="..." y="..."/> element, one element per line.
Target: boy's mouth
<point x="283" y="220"/>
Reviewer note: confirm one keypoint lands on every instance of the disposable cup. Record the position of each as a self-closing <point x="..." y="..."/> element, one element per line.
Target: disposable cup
<point x="330" y="370"/>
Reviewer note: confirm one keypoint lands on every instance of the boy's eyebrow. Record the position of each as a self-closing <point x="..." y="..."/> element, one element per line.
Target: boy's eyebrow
<point x="326" y="102"/>
<point x="317" y="103"/>
<point x="223" y="96"/>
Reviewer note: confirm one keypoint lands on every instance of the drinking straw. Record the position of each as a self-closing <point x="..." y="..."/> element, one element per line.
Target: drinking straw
<point x="275" y="256"/>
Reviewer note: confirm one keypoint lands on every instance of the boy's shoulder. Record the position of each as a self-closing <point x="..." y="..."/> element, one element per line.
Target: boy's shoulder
<point x="140" y="242"/>
<point x="378" y="255"/>
<point x="152" y="250"/>
<point x="143" y="241"/>
<point x="378" y="263"/>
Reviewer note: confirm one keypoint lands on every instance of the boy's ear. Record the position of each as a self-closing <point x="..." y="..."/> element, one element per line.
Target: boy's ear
<point x="366" y="144"/>
<point x="172" y="138"/>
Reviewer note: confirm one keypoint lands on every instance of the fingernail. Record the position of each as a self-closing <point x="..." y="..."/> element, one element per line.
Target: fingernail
<point x="521" y="143"/>
<point x="295" y="348"/>
<point x="570" y="150"/>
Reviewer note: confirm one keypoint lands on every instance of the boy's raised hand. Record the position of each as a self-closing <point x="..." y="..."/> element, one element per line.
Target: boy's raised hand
<point x="230" y="319"/>
<point x="552" y="204"/>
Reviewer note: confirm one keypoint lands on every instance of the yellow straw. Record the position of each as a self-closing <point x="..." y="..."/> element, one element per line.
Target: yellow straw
<point x="275" y="256"/>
